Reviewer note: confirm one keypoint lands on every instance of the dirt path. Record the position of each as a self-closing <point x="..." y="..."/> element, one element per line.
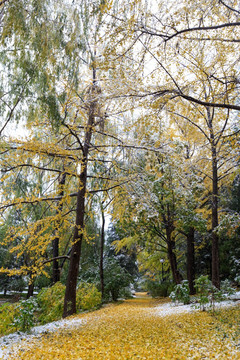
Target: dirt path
<point x="134" y="330"/>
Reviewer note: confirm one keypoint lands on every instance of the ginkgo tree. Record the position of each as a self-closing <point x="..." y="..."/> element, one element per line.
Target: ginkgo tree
<point x="192" y="51"/>
<point x="68" y="132"/>
<point x="160" y="204"/>
<point x="106" y="90"/>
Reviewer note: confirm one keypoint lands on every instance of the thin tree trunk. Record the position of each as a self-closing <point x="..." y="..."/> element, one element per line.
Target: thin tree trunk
<point x="70" y="294"/>
<point x="191" y="260"/>
<point x="71" y="285"/>
<point x="55" y="243"/>
<point x="30" y="289"/>
<point x="173" y="261"/>
<point x="101" y="253"/>
<point x="55" y="269"/>
<point x="171" y="245"/>
<point x="173" y="264"/>
<point x="215" y="238"/>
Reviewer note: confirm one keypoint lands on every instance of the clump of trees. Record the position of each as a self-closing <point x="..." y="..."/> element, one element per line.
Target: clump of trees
<point x="119" y="110"/>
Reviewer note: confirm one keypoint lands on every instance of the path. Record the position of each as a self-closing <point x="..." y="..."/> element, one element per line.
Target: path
<point x="134" y="330"/>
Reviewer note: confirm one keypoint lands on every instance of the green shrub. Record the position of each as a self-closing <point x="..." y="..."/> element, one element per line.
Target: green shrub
<point x="181" y="293"/>
<point x="25" y="316"/>
<point x="158" y="288"/>
<point x="203" y="287"/>
<point x="116" y="280"/>
<point x="88" y="297"/>
<point x="50" y="302"/>
<point x="125" y="293"/>
<point x="208" y="294"/>
<point x="226" y="288"/>
<point x="7" y="313"/>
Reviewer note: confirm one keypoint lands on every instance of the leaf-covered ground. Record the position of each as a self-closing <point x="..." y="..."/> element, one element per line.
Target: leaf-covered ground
<point x="134" y="330"/>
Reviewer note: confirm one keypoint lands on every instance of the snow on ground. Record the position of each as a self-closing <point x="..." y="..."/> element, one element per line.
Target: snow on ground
<point x="13" y="342"/>
<point x="172" y="309"/>
<point x="10" y="343"/>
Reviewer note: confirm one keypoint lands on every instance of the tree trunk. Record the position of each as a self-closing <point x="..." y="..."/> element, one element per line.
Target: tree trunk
<point x="191" y="260"/>
<point x="71" y="285"/>
<point x="173" y="261"/>
<point x="214" y="205"/>
<point x="215" y="238"/>
<point x="30" y="289"/>
<point x="169" y="227"/>
<point x="55" y="269"/>
<point x="101" y="254"/>
<point x="55" y="243"/>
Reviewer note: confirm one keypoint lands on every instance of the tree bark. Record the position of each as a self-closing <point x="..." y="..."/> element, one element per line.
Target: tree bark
<point x="173" y="262"/>
<point x="214" y="204"/>
<point x="215" y="238"/>
<point x="101" y="254"/>
<point x="171" y="244"/>
<point x="55" y="268"/>
<point x="172" y="256"/>
<point x="71" y="285"/>
<point x="30" y="289"/>
<point x="191" y="260"/>
<point x="55" y="243"/>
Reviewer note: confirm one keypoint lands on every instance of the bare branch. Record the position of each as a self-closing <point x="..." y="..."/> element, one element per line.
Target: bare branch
<point x="167" y="37"/>
<point x="35" y="167"/>
<point x="107" y="189"/>
<point x="229" y="7"/>
<point x="14" y="107"/>
<point x="55" y="258"/>
<point x="197" y="101"/>
<point x="214" y="39"/>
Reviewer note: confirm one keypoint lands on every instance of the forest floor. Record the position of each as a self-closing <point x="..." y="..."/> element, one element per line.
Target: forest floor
<point x="140" y="328"/>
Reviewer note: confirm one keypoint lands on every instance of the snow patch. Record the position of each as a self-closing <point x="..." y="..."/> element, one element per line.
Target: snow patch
<point x="11" y="342"/>
<point x="14" y="342"/>
<point x="172" y="309"/>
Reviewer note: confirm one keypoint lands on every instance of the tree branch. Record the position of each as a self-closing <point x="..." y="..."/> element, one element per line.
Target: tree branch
<point x="55" y="258"/>
<point x="34" y="167"/>
<point x="167" y="37"/>
<point x="197" y="101"/>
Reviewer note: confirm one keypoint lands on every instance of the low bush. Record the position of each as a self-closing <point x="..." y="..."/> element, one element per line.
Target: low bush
<point x="208" y="294"/>
<point x="181" y="293"/>
<point x="125" y="293"/>
<point x="203" y="288"/>
<point x="159" y="289"/>
<point x="25" y="316"/>
<point x="88" y="297"/>
<point x="117" y="279"/>
<point x="7" y="313"/>
<point x="47" y="307"/>
<point x="226" y="288"/>
<point x="51" y="300"/>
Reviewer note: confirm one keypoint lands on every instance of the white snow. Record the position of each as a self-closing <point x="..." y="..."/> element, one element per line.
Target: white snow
<point x="13" y="342"/>
<point x="172" y="309"/>
<point x="10" y="343"/>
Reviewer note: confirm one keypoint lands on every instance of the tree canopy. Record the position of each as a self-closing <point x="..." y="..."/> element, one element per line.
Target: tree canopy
<point x="121" y="109"/>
